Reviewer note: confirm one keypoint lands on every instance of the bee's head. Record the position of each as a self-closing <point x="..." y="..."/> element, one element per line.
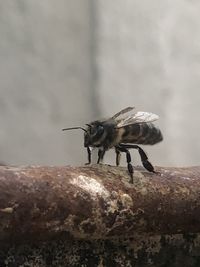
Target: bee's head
<point x="94" y="134"/>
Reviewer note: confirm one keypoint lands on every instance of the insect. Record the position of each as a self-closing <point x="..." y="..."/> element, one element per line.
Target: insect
<point x="123" y="131"/>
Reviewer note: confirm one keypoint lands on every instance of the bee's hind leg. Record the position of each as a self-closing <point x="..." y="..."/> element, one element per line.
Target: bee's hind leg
<point x="128" y="159"/>
<point x="145" y="161"/>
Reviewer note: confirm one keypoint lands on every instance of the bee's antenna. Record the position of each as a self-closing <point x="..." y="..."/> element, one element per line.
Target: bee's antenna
<point x="74" y="128"/>
<point x="90" y="126"/>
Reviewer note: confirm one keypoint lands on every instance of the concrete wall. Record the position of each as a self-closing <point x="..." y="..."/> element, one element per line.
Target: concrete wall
<point x="63" y="63"/>
<point x="45" y="79"/>
<point x="148" y="56"/>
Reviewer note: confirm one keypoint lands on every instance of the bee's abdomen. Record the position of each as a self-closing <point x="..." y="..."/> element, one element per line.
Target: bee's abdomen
<point x="144" y="133"/>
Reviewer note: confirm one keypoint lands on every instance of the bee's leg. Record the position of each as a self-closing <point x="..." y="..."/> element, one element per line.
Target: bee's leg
<point x="128" y="159"/>
<point x="145" y="162"/>
<point x="99" y="156"/>
<point x="89" y="155"/>
<point x="118" y="156"/>
<point x="101" y="153"/>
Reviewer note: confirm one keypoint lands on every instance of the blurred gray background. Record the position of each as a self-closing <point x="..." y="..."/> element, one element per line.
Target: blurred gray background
<point x="64" y="63"/>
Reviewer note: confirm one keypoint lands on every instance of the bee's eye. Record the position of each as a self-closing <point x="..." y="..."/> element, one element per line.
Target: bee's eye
<point x="100" y="129"/>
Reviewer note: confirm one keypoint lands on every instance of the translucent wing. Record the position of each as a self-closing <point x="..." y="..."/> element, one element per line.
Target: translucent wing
<point x="138" y="117"/>
<point x="125" y="110"/>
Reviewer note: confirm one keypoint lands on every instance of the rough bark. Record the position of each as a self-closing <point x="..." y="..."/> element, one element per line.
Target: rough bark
<point x="97" y="202"/>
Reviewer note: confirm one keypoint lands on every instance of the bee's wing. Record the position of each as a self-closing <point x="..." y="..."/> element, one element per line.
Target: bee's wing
<point x="138" y="117"/>
<point x="125" y="110"/>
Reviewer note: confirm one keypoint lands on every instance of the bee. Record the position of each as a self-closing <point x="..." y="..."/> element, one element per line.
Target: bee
<point x="122" y="132"/>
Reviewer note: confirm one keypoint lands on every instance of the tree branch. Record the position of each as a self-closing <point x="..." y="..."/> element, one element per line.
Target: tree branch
<point x="97" y="202"/>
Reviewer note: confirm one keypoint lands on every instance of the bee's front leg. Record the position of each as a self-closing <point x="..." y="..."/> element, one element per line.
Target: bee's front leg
<point x="89" y="155"/>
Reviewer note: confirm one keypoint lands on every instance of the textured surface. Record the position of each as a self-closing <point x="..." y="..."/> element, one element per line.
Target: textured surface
<point x="144" y="251"/>
<point x="98" y="202"/>
<point x="92" y="217"/>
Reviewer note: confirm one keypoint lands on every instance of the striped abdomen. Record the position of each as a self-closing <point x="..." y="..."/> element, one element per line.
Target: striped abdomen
<point x="144" y="133"/>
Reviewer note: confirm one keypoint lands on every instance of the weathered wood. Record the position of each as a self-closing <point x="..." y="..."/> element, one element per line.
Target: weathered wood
<point x="97" y="202"/>
<point x="144" y="251"/>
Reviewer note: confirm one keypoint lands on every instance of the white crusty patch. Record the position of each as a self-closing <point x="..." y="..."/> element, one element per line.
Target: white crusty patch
<point x="127" y="201"/>
<point x="91" y="186"/>
<point x="186" y="178"/>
